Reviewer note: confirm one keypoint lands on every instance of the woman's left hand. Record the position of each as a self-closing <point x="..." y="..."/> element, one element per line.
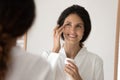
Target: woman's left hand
<point x="72" y="70"/>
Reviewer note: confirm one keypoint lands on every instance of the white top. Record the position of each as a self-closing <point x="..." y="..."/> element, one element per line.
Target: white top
<point x="90" y="65"/>
<point x="26" y="66"/>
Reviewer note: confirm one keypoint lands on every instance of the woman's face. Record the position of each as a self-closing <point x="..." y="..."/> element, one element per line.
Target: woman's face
<point x="73" y="29"/>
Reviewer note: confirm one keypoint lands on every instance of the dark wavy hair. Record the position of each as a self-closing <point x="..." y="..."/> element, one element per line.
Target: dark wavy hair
<point x="82" y="13"/>
<point x="16" y="17"/>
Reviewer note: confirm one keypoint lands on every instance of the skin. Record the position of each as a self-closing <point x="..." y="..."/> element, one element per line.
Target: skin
<point x="72" y="29"/>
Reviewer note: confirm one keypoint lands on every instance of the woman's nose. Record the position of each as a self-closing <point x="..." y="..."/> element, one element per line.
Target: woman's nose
<point x="72" y="29"/>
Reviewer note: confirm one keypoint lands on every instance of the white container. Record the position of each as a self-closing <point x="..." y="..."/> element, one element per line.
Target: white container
<point x="66" y="60"/>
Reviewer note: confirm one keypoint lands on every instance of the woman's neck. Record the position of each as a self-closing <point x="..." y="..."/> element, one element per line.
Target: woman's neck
<point x="71" y="50"/>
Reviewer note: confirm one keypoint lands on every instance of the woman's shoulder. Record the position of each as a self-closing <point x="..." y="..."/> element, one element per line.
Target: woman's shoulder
<point x="93" y="56"/>
<point x="32" y="66"/>
<point x="17" y="52"/>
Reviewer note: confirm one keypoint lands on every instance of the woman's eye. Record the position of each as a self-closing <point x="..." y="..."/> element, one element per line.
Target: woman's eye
<point x="79" y="26"/>
<point x="67" y="24"/>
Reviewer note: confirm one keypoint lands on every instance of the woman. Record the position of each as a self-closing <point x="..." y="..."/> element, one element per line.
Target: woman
<point x="16" y="17"/>
<point x="73" y="61"/>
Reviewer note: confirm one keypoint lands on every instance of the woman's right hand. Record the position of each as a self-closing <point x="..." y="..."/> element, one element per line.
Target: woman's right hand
<point x="56" y="35"/>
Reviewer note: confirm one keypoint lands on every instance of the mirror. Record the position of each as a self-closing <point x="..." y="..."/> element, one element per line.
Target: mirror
<point x="101" y="41"/>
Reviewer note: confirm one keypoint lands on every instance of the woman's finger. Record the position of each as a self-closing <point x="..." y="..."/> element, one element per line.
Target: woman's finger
<point x="71" y="64"/>
<point x="73" y="69"/>
<point x="70" y="71"/>
<point x="58" y="31"/>
<point x="55" y="29"/>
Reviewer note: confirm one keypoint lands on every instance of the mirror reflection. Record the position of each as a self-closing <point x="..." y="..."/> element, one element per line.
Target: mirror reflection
<point x="101" y="40"/>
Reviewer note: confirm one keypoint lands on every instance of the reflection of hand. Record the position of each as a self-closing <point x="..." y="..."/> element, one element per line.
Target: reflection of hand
<point x="57" y="34"/>
<point x="72" y="70"/>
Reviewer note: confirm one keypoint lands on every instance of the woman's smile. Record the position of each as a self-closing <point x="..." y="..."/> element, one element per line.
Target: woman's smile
<point x="72" y="36"/>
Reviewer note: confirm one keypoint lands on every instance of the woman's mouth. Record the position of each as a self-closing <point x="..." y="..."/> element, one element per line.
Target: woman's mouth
<point x="72" y="35"/>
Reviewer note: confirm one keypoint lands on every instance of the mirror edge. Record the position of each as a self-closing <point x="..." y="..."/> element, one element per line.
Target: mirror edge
<point x="117" y="43"/>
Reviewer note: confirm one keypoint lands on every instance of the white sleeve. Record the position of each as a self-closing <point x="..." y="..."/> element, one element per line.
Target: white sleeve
<point x="99" y="73"/>
<point x="48" y="73"/>
<point x="52" y="59"/>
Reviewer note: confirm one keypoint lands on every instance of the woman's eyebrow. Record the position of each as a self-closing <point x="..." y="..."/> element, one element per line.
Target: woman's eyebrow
<point x="81" y="23"/>
<point x="67" y="22"/>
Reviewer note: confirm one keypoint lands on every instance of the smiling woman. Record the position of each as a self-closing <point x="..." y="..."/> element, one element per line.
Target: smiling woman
<point x="101" y="39"/>
<point x="74" y="28"/>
